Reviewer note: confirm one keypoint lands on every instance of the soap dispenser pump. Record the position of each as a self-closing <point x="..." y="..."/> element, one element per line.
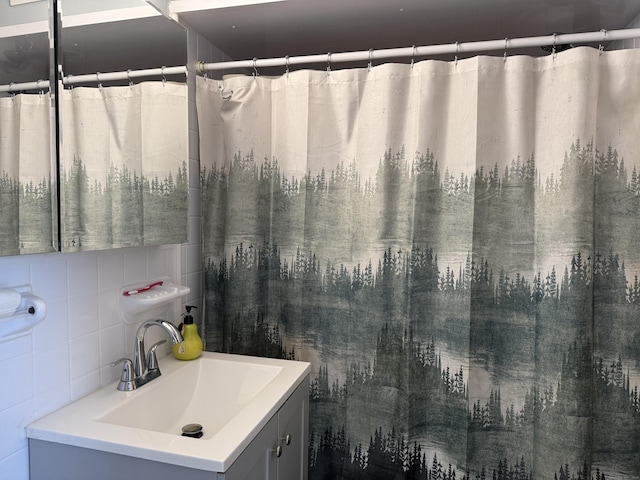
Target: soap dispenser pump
<point x="191" y="347"/>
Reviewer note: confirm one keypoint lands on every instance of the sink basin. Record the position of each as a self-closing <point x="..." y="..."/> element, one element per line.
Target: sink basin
<point x="209" y="392"/>
<point x="231" y="396"/>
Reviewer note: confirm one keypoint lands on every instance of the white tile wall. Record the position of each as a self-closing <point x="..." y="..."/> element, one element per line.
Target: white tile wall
<point x="65" y="357"/>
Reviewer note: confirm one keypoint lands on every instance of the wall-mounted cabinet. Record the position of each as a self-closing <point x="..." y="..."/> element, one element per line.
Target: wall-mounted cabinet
<point x="123" y="143"/>
<point x="98" y="163"/>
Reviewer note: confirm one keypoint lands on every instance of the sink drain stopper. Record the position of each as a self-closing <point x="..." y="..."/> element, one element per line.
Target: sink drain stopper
<point x="193" y="430"/>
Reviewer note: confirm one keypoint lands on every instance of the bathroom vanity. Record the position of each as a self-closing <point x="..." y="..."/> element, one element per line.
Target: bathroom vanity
<point x="254" y="414"/>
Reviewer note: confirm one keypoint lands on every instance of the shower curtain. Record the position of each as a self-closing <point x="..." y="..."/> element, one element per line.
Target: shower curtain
<point x="123" y="166"/>
<point x="26" y="201"/>
<point x="454" y="248"/>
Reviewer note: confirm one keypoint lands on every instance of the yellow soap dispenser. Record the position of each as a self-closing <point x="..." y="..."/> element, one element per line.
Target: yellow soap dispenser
<point x="191" y="345"/>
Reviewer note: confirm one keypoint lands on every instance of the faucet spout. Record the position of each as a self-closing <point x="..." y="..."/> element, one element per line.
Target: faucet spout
<point x="139" y="354"/>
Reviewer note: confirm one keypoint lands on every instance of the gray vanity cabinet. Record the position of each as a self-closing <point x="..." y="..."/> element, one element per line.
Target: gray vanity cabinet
<point x="293" y="430"/>
<point x="278" y="452"/>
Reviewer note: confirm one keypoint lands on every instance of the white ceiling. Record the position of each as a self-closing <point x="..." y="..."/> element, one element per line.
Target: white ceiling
<point x="263" y="29"/>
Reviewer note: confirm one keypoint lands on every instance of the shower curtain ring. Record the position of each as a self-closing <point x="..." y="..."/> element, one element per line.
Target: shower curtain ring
<point x="224" y="95"/>
<point x="328" y="63"/>
<point x="164" y="79"/>
<point x="129" y="78"/>
<point x="506" y="46"/>
<point x="553" y="49"/>
<point x="370" y="58"/>
<point x="98" y="80"/>
<point x="604" y="38"/>
<point x="413" y="55"/>
<point x="455" y="59"/>
<point x="286" y="62"/>
<point x="255" y="68"/>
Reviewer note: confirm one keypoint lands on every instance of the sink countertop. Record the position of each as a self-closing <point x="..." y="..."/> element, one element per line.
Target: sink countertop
<point x="82" y="423"/>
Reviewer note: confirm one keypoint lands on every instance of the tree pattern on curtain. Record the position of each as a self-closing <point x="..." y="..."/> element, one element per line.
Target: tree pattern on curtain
<point x="27" y="195"/>
<point x="124" y="179"/>
<point x="123" y="208"/>
<point x="461" y="325"/>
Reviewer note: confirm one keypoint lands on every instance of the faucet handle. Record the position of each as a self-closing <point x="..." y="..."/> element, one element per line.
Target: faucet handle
<point x="127" y="380"/>
<point x="152" y="359"/>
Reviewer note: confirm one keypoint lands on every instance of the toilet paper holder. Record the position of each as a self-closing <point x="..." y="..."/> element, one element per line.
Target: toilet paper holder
<point x="28" y="311"/>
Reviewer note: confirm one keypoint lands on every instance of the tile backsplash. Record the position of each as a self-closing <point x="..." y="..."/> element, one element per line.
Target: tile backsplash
<point x="66" y="356"/>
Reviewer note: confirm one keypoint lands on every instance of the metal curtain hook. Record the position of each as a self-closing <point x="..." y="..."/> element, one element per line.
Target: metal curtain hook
<point x="553" y="50"/>
<point x="129" y="78"/>
<point x="224" y="95"/>
<point x="286" y="62"/>
<point x="164" y="79"/>
<point x="506" y="46"/>
<point x="255" y="68"/>
<point x="98" y="80"/>
<point x="328" y="63"/>
<point x="370" y="58"/>
<point x="604" y="38"/>
<point x="413" y="54"/>
<point x="457" y="50"/>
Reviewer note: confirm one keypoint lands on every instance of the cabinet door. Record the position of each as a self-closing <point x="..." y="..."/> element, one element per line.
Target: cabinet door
<point x="293" y="425"/>
<point x="258" y="460"/>
<point x="279" y="451"/>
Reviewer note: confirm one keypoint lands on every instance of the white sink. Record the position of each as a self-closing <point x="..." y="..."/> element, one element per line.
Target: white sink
<point x="231" y="396"/>
<point x="207" y="391"/>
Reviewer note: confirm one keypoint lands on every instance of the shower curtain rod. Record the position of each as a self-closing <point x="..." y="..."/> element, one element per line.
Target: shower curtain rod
<point x="453" y="48"/>
<point x="330" y="58"/>
<point x="21" y="87"/>
<point x="125" y="75"/>
<point x="97" y="78"/>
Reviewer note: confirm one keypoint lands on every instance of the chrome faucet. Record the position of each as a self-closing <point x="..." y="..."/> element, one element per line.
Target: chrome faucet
<point x="144" y="366"/>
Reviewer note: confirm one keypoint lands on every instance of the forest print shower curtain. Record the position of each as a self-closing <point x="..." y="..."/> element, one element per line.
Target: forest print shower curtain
<point x="124" y="153"/>
<point x="454" y="246"/>
<point x="27" y="195"/>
